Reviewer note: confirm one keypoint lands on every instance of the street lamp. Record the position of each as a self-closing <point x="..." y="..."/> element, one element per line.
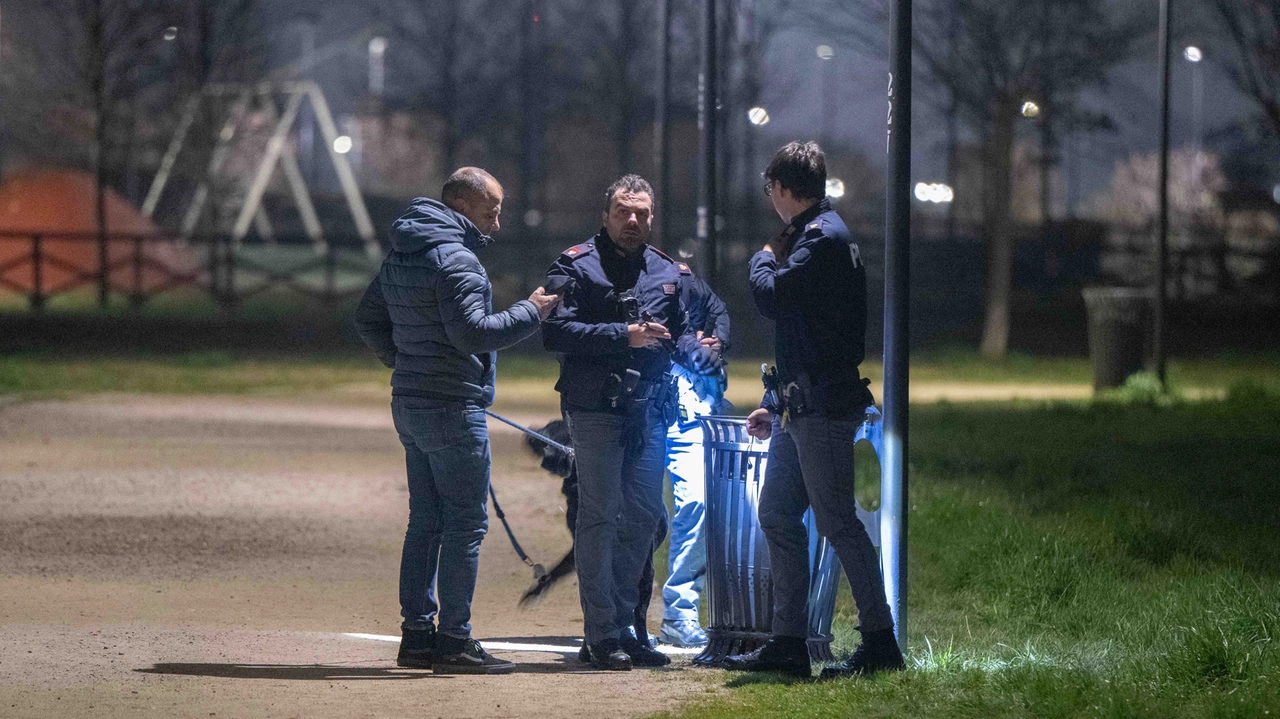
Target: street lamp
<point x="342" y="144"/>
<point x="1194" y="55"/>
<point x="758" y="116"/>
<point x="835" y="188"/>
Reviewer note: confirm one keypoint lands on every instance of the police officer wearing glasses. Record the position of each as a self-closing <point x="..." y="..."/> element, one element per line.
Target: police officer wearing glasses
<point x="618" y="328"/>
<point x="811" y="281"/>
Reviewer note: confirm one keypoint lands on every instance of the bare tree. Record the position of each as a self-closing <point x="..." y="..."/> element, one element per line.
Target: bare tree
<point x="1253" y="27"/>
<point x="989" y="58"/>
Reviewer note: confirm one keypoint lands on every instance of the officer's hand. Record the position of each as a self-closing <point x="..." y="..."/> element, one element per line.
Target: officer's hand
<point x="544" y="302"/>
<point x="646" y="334"/>
<point x="768" y="248"/>
<point x="760" y="424"/>
<point x="711" y="342"/>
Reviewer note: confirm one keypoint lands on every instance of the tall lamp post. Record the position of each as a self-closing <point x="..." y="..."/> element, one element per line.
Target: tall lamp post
<point x="661" y="135"/>
<point x="1162" y="231"/>
<point x="897" y="280"/>
<point x="707" y="96"/>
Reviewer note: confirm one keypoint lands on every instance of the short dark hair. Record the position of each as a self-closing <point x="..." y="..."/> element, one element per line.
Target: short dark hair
<point x="633" y="184"/>
<point x="466" y="183"/>
<point x="801" y="169"/>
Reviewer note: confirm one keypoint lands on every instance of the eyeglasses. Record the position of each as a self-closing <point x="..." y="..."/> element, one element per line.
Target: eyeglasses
<point x="768" y="188"/>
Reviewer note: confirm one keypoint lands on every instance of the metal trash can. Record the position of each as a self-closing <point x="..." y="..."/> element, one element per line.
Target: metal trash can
<point x="739" y="593"/>
<point x="1118" y="322"/>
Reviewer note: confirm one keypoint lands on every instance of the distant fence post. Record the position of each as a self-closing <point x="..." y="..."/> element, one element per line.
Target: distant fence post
<point x="330" y="274"/>
<point x="229" y="270"/>
<point x="37" y="274"/>
<point x="136" y="298"/>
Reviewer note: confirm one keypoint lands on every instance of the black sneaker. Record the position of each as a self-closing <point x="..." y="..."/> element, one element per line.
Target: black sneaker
<point x="788" y="655"/>
<point x="878" y="652"/>
<point x="466" y="656"/>
<point x="417" y="648"/>
<point x="608" y="655"/>
<point x="642" y="653"/>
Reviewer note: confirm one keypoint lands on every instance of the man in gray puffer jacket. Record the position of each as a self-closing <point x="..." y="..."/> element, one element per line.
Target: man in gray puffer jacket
<point x="429" y="316"/>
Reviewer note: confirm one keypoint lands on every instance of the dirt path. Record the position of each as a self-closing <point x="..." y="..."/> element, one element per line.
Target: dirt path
<point x="206" y="556"/>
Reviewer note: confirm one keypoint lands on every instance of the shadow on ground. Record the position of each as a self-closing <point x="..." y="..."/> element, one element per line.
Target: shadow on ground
<point x="294" y="672"/>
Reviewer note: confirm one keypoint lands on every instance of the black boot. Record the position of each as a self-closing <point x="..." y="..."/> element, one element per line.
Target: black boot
<point x="466" y="656"/>
<point x="789" y="655"/>
<point x="878" y="652"/>
<point x="642" y="652"/>
<point x="608" y="655"/>
<point x="417" y="648"/>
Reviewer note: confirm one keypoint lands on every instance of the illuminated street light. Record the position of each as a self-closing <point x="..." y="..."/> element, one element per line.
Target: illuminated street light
<point x="170" y="34"/>
<point x="1030" y="109"/>
<point x="342" y="144"/>
<point x="825" y="52"/>
<point x="758" y="116"/>
<point x="1193" y="54"/>
<point x="835" y="188"/>
<point x="936" y="192"/>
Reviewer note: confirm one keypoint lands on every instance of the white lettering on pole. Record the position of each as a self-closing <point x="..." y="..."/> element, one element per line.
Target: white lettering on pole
<point x="888" y="139"/>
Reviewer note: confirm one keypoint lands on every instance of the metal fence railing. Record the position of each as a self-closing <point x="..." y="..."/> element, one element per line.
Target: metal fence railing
<point x="44" y="265"/>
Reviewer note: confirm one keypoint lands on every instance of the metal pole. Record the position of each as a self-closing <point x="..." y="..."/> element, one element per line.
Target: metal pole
<point x="893" y="496"/>
<point x="661" y="144"/>
<point x="1162" y="239"/>
<point x="707" y="94"/>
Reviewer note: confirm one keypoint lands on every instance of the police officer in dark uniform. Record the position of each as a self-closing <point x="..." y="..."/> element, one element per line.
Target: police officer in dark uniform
<point x="617" y="329"/>
<point x="811" y="281"/>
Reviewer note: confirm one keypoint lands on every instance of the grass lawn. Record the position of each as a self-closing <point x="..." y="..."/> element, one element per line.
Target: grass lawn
<point x="44" y="373"/>
<point x="1077" y="560"/>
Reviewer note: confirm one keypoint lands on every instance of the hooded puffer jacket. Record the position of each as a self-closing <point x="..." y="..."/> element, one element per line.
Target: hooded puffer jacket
<point x="428" y="312"/>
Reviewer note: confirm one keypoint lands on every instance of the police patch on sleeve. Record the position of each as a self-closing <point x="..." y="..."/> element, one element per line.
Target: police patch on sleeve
<point x="577" y="250"/>
<point x="668" y="289"/>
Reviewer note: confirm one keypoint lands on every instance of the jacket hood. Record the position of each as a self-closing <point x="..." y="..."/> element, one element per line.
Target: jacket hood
<point x="430" y="224"/>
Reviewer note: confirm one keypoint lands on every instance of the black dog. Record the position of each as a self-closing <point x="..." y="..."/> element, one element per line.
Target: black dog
<point x="561" y="464"/>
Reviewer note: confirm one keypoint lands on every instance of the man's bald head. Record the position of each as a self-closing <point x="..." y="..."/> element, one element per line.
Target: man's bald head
<point x="475" y="194"/>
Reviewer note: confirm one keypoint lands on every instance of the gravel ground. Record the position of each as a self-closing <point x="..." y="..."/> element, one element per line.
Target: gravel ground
<point x="205" y="556"/>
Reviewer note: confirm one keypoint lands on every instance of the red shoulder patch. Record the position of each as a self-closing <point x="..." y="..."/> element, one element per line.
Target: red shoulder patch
<point x="577" y="250"/>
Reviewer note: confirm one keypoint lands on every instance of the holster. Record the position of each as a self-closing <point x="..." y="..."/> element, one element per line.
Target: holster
<point x="620" y="387"/>
<point x="802" y="398"/>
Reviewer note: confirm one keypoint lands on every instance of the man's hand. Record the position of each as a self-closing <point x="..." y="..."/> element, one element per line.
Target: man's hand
<point x="646" y="334"/>
<point x="760" y="424"/>
<point x="544" y="302"/>
<point x="710" y="341"/>
<point x="768" y="248"/>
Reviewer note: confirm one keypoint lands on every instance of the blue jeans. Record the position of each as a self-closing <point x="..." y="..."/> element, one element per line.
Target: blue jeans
<point x="620" y="462"/>
<point x="811" y="463"/>
<point x="446" y="447"/>
<point x="687" y="553"/>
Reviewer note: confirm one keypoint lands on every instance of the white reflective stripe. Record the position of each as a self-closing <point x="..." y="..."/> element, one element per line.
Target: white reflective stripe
<point x="521" y="647"/>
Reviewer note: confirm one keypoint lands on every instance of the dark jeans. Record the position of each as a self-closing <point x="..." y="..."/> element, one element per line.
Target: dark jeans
<point x="446" y="448"/>
<point x="620" y="465"/>
<point x="811" y="463"/>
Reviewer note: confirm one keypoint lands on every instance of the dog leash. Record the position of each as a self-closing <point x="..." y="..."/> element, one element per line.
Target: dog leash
<point x="541" y="438"/>
<point x="539" y="571"/>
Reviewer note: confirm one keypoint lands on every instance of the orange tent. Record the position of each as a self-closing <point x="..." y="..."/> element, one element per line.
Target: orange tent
<point x="59" y="205"/>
